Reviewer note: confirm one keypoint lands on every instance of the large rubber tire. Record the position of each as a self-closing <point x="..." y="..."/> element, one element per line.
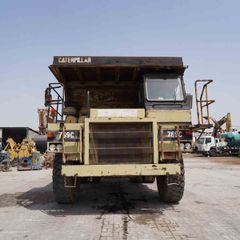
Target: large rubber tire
<point x="171" y="187"/>
<point x="212" y="152"/>
<point x="70" y="111"/>
<point x="62" y="194"/>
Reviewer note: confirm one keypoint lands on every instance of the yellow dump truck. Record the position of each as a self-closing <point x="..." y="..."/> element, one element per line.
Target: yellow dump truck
<point x="117" y="117"/>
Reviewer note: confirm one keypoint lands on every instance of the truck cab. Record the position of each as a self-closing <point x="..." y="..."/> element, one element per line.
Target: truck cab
<point x="118" y="117"/>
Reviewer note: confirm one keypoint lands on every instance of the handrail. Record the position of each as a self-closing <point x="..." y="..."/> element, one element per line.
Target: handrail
<point x="202" y="103"/>
<point x="56" y="105"/>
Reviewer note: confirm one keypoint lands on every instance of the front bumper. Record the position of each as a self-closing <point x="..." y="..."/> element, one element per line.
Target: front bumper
<point x="123" y="170"/>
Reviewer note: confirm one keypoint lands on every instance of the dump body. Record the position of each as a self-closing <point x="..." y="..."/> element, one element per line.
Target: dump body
<point x="122" y="116"/>
<point x="112" y="81"/>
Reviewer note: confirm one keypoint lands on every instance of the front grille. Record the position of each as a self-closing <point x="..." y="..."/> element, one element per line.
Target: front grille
<point x="116" y="143"/>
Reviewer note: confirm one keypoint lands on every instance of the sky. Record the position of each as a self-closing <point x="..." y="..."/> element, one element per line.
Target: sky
<point x="205" y="33"/>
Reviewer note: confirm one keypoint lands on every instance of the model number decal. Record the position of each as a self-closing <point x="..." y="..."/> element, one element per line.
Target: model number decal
<point x="69" y="135"/>
<point x="172" y="134"/>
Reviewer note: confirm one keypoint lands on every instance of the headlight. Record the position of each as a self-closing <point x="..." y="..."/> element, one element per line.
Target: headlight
<point x="59" y="147"/>
<point x="188" y="146"/>
<point x="52" y="147"/>
<point x="182" y="146"/>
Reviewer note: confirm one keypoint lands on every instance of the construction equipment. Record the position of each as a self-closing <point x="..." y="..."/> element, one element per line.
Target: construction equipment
<point x="118" y="117"/>
<point x="23" y="155"/>
<point x="12" y="148"/>
<point x="217" y="128"/>
<point x="232" y="138"/>
<point x="227" y="143"/>
<point x="222" y="142"/>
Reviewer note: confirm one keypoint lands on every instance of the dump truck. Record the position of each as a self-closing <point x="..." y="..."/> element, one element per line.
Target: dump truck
<point x="117" y="117"/>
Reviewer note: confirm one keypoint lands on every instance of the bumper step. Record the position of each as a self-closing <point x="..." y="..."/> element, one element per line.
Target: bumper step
<point x="121" y="170"/>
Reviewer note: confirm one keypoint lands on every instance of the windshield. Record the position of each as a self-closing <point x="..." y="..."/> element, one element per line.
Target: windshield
<point x="200" y="141"/>
<point x="159" y="89"/>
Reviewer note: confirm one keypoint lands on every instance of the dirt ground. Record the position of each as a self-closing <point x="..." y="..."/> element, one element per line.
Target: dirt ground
<point x="118" y="209"/>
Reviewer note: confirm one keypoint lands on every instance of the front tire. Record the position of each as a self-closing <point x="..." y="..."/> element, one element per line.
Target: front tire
<point x="171" y="187"/>
<point x="212" y="152"/>
<point x="62" y="194"/>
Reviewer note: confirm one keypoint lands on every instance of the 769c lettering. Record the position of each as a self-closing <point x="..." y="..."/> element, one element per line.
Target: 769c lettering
<point x="67" y="135"/>
<point x="173" y="134"/>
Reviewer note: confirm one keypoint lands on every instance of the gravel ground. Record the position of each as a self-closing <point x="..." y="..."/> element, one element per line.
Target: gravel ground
<point x="118" y="209"/>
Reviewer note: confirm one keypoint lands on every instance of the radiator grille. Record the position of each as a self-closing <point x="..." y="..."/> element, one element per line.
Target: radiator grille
<point x="116" y="143"/>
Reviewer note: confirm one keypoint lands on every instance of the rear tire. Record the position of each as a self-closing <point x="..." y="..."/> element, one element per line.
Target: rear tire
<point x="62" y="194"/>
<point x="171" y="187"/>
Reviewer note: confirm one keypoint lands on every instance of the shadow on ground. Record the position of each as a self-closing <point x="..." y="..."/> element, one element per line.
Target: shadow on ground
<point x="108" y="196"/>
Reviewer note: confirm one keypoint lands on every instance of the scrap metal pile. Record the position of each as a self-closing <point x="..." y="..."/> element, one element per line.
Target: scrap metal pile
<point x="24" y="155"/>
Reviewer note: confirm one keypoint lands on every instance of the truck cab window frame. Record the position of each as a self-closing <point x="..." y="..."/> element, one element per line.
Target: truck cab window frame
<point x="164" y="89"/>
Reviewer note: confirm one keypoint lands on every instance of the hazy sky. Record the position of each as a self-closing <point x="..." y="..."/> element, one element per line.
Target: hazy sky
<point x="205" y="33"/>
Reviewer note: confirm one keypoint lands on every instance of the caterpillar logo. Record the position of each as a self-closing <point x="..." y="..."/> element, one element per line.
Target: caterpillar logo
<point x="74" y="60"/>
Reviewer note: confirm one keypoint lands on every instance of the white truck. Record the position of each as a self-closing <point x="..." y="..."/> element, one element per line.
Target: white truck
<point x="209" y="145"/>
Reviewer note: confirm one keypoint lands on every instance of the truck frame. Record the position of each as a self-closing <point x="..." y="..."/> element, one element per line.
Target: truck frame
<point x="118" y="117"/>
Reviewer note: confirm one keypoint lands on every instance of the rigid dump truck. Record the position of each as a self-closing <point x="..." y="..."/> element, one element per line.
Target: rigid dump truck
<point x="117" y="117"/>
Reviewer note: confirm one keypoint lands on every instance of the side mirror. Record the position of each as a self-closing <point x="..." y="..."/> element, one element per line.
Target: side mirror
<point x="48" y="97"/>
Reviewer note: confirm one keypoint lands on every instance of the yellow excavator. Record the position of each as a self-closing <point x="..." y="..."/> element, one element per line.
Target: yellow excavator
<point x="12" y="148"/>
<point x="217" y="127"/>
<point x="23" y="155"/>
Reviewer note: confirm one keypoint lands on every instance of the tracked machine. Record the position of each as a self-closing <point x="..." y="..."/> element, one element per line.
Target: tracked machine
<point x="118" y="117"/>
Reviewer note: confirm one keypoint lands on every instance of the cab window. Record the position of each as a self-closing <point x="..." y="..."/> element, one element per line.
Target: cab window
<point x="159" y="89"/>
<point x="208" y="140"/>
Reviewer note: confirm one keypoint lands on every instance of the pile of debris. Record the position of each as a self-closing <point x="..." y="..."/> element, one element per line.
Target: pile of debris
<point x="24" y="155"/>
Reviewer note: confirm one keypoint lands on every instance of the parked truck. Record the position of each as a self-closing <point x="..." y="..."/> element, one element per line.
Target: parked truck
<point x="226" y="144"/>
<point x="118" y="117"/>
<point x="209" y="145"/>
